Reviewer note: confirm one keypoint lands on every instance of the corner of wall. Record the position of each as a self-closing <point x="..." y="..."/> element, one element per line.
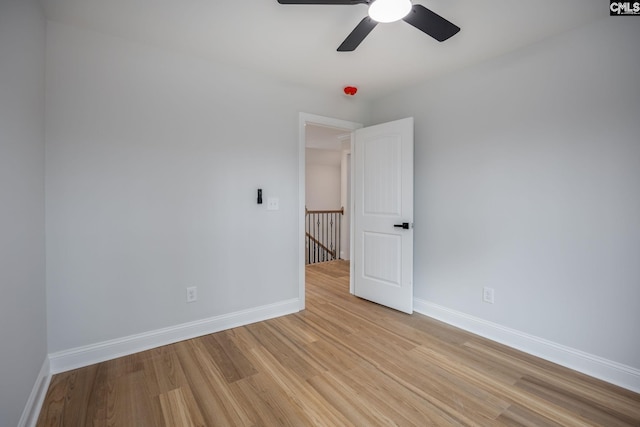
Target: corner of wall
<point x="33" y="407"/>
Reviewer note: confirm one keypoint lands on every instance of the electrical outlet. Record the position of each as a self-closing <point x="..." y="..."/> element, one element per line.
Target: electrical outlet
<point x="487" y="295"/>
<point x="192" y="294"/>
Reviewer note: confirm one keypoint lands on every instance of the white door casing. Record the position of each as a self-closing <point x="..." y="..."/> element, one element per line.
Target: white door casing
<point x="383" y="197"/>
<point x="304" y="119"/>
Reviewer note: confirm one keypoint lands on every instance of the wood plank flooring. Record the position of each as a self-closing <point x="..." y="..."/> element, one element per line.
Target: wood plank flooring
<point x="341" y="362"/>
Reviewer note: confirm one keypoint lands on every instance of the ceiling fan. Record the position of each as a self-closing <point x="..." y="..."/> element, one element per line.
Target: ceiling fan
<point x="417" y="15"/>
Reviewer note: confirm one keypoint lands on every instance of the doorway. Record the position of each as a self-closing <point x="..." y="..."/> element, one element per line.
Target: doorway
<point x="327" y="156"/>
<point x="311" y="125"/>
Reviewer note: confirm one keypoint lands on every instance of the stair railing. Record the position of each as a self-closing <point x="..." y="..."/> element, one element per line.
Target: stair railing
<point x="322" y="229"/>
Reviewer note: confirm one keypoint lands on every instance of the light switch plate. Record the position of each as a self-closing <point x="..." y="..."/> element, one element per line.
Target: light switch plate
<point x="273" y="204"/>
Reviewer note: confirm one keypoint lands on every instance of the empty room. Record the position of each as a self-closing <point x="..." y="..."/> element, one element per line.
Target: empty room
<point x="308" y="212"/>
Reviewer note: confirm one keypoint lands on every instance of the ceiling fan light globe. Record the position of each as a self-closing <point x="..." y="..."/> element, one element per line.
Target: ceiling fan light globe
<point x="389" y="10"/>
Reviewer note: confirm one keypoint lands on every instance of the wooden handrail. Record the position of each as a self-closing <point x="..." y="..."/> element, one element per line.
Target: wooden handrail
<point x="317" y="242"/>
<point x="340" y="211"/>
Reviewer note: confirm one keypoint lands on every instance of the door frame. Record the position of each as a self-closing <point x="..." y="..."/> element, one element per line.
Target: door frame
<point x="303" y="120"/>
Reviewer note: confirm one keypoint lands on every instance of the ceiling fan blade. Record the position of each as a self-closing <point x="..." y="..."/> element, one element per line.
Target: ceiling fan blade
<point x="431" y="23"/>
<point x="348" y="2"/>
<point x="357" y="35"/>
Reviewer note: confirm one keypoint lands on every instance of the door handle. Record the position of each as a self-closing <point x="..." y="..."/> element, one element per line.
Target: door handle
<point x="404" y="225"/>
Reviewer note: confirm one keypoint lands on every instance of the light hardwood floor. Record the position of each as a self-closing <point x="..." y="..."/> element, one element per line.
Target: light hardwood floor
<point x="342" y="361"/>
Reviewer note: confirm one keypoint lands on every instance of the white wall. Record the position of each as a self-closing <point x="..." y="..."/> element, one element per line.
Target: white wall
<point x="323" y="179"/>
<point x="153" y="162"/>
<point x="22" y="281"/>
<point x="528" y="181"/>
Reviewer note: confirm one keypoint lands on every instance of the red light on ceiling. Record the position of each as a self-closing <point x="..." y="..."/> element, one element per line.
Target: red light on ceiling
<point x="350" y="90"/>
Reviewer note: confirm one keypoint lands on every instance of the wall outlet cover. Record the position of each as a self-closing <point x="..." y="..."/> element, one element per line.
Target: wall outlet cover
<point x="192" y="294"/>
<point x="488" y="295"/>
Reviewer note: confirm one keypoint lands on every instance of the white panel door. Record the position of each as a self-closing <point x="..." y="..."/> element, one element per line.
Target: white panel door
<point x="383" y="197"/>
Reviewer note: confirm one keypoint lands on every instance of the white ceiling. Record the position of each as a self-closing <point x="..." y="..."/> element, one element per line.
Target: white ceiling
<point x="297" y="43"/>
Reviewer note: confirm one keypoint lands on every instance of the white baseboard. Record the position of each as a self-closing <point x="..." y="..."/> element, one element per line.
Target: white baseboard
<point x="88" y="355"/>
<point x="595" y="366"/>
<point x="31" y="410"/>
